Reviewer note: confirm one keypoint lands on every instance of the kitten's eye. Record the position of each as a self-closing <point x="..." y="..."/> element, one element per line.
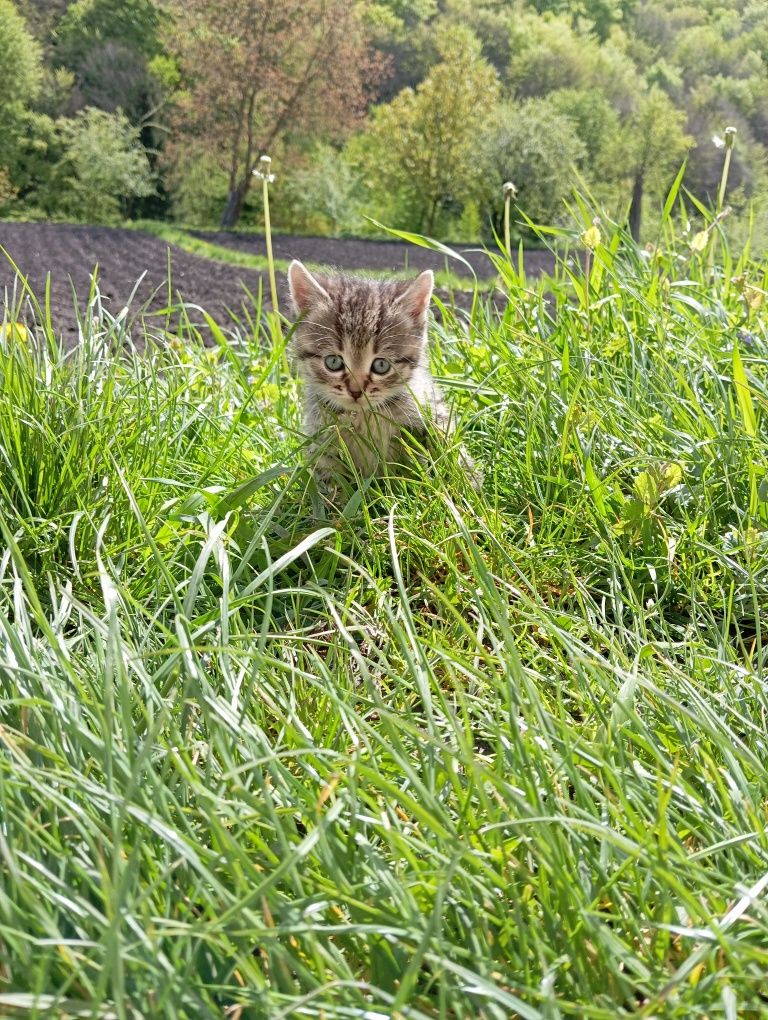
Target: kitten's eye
<point x="334" y="363"/>
<point x="380" y="366"/>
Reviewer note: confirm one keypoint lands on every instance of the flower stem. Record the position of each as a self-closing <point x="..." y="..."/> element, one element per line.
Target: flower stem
<point x="275" y="322"/>
<point x="268" y="238"/>
<point x="509" y="191"/>
<point x="730" y="141"/>
<point x="507" y="238"/>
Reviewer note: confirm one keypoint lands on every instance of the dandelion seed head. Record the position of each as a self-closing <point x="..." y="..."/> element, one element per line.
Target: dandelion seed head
<point x="264" y="174"/>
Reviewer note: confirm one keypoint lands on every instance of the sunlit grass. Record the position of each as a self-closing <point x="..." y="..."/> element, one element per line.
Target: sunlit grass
<point x="185" y="239"/>
<point x="424" y="752"/>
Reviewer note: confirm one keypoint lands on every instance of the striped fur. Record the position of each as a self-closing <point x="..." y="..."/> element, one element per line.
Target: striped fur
<point x="361" y="320"/>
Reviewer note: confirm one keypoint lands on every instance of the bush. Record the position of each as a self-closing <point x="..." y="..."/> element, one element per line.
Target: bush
<point x="536" y="147"/>
<point x="323" y="194"/>
<point x="198" y="190"/>
<point x="103" y="167"/>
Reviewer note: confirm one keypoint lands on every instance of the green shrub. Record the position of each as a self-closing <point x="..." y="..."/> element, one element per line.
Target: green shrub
<point x="534" y="146"/>
<point x="322" y="194"/>
<point x="198" y="190"/>
<point x="103" y="166"/>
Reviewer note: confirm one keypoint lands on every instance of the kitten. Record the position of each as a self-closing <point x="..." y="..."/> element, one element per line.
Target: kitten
<point x="360" y="348"/>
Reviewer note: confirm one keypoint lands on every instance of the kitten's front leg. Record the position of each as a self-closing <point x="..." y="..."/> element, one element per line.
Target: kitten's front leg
<point x="318" y="457"/>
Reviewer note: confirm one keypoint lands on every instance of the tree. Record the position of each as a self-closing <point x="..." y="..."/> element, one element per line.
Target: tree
<point x="710" y="59"/>
<point x="534" y="146"/>
<point x="422" y="144"/>
<point x="596" y="123"/>
<point x="41" y="16"/>
<point x="109" y="46"/>
<point x="257" y="72"/>
<point x="87" y="24"/>
<point x="21" y="67"/>
<point x="550" y="54"/>
<point x="21" y="73"/>
<point x="599" y="15"/>
<point x="651" y="146"/>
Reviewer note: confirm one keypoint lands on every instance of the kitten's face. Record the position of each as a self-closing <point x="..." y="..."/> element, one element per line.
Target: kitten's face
<point x="359" y="341"/>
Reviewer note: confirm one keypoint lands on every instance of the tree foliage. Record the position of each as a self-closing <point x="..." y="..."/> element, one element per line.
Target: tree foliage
<point x="21" y="74"/>
<point x="536" y="147"/>
<point x="109" y="46"/>
<point x="258" y="73"/>
<point x="389" y="106"/>
<point x="424" y="147"/>
<point x="550" y="54"/>
<point x="103" y="166"/>
<point x="650" y="148"/>
<point x="87" y="24"/>
<point x="21" y="67"/>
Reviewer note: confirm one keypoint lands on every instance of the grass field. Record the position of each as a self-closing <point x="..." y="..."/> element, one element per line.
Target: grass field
<point x="425" y="752"/>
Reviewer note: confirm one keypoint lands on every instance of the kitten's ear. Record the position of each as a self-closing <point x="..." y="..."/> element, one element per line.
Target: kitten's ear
<point x="416" y="299"/>
<point x="305" y="290"/>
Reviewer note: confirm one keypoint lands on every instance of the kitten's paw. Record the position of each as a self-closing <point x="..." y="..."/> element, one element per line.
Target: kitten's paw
<point x="327" y="485"/>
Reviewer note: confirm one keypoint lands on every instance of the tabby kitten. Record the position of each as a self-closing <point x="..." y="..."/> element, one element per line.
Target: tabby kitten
<point x="361" y="349"/>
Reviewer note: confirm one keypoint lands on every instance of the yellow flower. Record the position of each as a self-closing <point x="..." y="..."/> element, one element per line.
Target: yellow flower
<point x="592" y="237"/>
<point x="14" y="331"/>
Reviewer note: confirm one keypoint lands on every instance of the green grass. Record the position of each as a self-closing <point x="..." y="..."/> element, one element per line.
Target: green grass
<point x="423" y="753"/>
<point x="187" y="241"/>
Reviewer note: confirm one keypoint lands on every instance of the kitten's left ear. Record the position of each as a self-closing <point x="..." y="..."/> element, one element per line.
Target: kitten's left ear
<point x="416" y="299"/>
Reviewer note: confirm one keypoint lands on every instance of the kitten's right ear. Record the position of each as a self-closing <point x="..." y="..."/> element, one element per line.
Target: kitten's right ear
<point x="415" y="299"/>
<point x="305" y="290"/>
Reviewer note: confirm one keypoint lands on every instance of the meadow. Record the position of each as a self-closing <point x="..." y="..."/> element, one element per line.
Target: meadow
<point x="421" y="751"/>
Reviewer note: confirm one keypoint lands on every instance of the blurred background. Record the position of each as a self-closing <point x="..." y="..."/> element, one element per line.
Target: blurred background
<point x="410" y="112"/>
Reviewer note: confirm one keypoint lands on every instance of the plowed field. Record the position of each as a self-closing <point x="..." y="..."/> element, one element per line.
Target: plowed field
<point x="129" y="260"/>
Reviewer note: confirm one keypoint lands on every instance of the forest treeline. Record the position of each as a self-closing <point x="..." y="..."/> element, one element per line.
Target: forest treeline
<point x="412" y="112"/>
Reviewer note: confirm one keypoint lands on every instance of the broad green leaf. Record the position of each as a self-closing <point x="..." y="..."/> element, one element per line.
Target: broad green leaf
<point x="596" y="488"/>
<point x="743" y="394"/>
<point x="671" y="475"/>
<point x="423" y="242"/>
<point x="647" y="488"/>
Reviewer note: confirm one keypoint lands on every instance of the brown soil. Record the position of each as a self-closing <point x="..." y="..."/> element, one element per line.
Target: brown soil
<point x="129" y="261"/>
<point x="126" y="260"/>
<point x="356" y="253"/>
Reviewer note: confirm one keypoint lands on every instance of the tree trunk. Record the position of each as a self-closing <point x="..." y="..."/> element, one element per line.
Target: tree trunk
<point x="234" y="206"/>
<point x="635" y="206"/>
<point x="432" y="216"/>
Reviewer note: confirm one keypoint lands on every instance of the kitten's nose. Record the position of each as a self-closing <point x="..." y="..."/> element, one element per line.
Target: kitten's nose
<point x="355" y="393"/>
